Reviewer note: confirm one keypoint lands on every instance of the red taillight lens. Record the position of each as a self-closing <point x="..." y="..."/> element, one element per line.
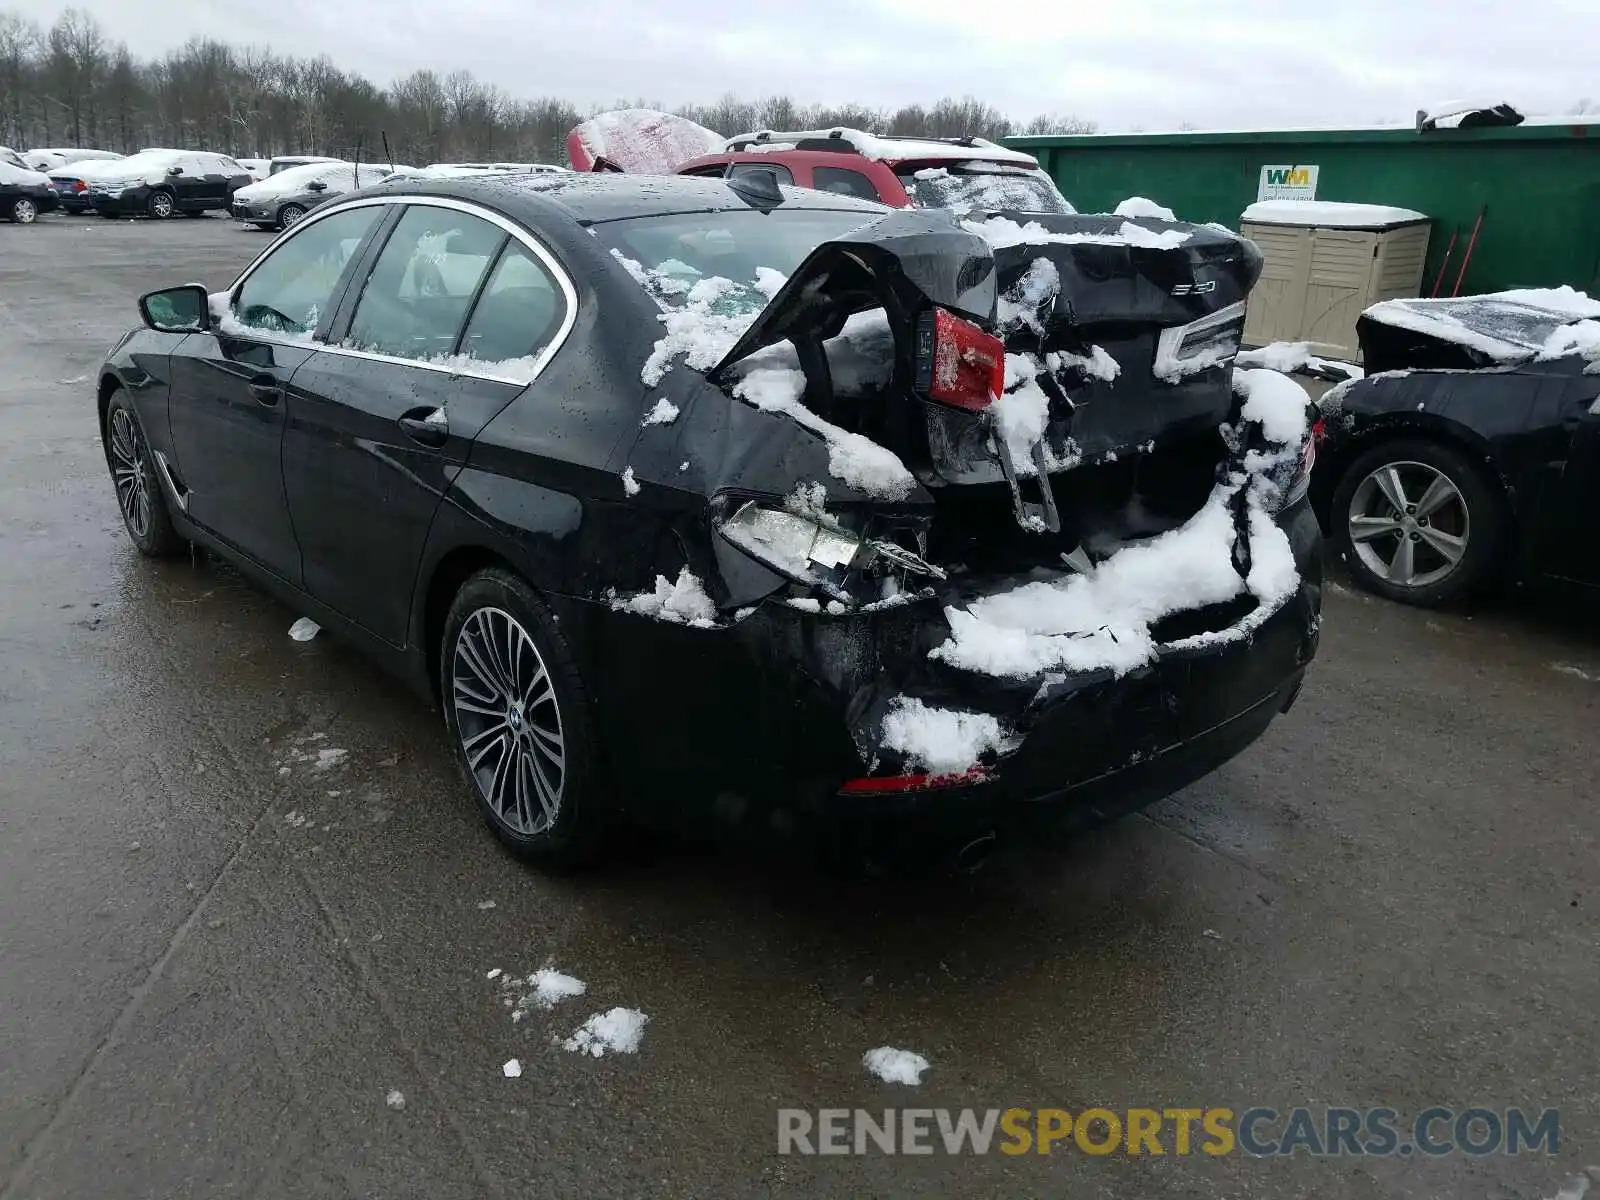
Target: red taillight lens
<point x="79" y="185"/>
<point x="1319" y="431"/>
<point x="959" y="363"/>
<point x="878" y="785"/>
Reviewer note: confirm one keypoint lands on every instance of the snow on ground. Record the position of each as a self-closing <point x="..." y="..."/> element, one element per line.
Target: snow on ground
<point x="664" y="412"/>
<point x="941" y="741"/>
<point x="1139" y="206"/>
<point x="1001" y="232"/>
<point x="682" y="602"/>
<point x="512" y="1069"/>
<point x="395" y="1099"/>
<point x="329" y="758"/>
<point x="630" y="485"/>
<point x="895" y="1066"/>
<point x="304" y="629"/>
<point x="1102" y="619"/>
<point x="618" y="1031"/>
<point x="550" y="987"/>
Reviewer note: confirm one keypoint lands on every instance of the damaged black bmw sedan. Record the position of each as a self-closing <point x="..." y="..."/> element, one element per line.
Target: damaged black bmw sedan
<point x="774" y="500"/>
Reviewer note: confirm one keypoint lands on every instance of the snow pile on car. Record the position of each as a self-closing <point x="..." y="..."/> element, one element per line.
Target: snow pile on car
<point x="1001" y="232"/>
<point x="1140" y="206"/>
<point x="1505" y="327"/>
<point x="1102" y="619"/>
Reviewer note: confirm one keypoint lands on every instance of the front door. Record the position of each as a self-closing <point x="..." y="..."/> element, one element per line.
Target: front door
<point x="230" y="388"/>
<point x="442" y="335"/>
<point x="1573" y="550"/>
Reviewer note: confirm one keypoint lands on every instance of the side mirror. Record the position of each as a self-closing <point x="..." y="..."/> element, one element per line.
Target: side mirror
<point x="182" y="309"/>
<point x="316" y="185"/>
<point x="174" y="170"/>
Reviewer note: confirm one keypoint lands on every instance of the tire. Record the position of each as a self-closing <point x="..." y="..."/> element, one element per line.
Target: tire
<point x="24" y="211"/>
<point x="1465" y="518"/>
<point x="161" y="205"/>
<point x="138" y="487"/>
<point x="289" y="214"/>
<point x="549" y="813"/>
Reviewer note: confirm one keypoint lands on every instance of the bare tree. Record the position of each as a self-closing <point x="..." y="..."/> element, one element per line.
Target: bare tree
<point x="73" y="84"/>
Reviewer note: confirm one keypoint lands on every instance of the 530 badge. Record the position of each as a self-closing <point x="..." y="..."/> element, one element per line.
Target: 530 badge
<point x="1195" y="289"/>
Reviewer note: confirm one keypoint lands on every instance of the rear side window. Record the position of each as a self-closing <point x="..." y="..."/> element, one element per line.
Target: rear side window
<point x="416" y="299"/>
<point x="843" y="181"/>
<point x="291" y="289"/>
<point x="745" y="168"/>
<point x="519" y="311"/>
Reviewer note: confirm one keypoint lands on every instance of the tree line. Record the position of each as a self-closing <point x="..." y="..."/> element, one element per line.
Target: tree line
<point x="71" y="85"/>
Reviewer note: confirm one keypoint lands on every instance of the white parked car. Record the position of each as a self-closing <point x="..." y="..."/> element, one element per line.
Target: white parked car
<point x="50" y="158"/>
<point x="259" y="168"/>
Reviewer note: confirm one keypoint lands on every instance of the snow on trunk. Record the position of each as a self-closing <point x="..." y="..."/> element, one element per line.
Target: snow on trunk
<point x="1102" y="619"/>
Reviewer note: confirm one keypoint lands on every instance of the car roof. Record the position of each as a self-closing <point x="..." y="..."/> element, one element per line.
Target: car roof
<point x="844" y="140"/>
<point x="610" y="196"/>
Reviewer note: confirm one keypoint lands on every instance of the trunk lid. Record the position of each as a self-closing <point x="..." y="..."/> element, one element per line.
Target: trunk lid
<point x="1093" y="311"/>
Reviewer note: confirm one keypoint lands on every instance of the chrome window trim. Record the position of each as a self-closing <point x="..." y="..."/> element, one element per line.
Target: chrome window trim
<point x="529" y="241"/>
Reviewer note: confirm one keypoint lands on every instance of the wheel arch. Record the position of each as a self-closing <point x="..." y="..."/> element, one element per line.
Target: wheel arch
<point x="452" y="570"/>
<point x="1336" y="455"/>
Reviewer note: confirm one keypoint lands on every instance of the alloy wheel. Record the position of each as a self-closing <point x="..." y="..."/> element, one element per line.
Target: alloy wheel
<point x="161" y="205"/>
<point x="130" y="471"/>
<point x="291" y="213"/>
<point x="24" y="212"/>
<point x="1409" y="524"/>
<point x="508" y="721"/>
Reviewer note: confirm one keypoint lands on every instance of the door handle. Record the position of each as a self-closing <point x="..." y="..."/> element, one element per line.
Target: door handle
<point x="266" y="390"/>
<point x="426" y="426"/>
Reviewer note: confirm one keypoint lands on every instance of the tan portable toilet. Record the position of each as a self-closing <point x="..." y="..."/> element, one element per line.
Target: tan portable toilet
<point x="1324" y="264"/>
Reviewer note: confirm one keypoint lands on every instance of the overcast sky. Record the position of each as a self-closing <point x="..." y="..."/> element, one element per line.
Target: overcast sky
<point x="1123" y="63"/>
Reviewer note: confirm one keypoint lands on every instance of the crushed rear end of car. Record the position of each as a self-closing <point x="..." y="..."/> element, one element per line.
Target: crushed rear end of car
<point x="996" y="531"/>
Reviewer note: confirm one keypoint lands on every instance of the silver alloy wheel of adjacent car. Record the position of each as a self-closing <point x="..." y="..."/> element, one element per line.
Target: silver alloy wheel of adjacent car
<point x="1409" y="524"/>
<point x="289" y="214"/>
<point x="24" y="211"/>
<point x="161" y="205"/>
<point x="130" y="471"/>
<point x="508" y="721"/>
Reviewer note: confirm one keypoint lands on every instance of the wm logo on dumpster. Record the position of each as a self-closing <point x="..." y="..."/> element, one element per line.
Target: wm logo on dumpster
<point x="1289" y="181"/>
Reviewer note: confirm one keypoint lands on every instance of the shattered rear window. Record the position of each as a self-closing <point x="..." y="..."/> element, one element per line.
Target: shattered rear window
<point x="990" y="187"/>
<point x="670" y="255"/>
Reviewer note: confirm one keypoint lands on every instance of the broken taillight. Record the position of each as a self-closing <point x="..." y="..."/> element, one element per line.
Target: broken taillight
<point x="958" y="363"/>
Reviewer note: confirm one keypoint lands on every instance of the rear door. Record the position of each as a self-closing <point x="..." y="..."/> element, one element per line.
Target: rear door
<point x="444" y="326"/>
<point x="230" y="387"/>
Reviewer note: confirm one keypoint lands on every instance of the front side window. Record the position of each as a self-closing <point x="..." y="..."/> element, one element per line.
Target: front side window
<point x="518" y="313"/>
<point x="416" y="299"/>
<point x="290" y="291"/>
<point x="843" y="182"/>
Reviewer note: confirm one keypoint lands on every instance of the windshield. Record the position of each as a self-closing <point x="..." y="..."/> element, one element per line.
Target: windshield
<point x="988" y="186"/>
<point x="754" y="251"/>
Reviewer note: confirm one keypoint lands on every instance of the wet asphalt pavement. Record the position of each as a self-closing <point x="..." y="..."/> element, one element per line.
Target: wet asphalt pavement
<point x="218" y="957"/>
